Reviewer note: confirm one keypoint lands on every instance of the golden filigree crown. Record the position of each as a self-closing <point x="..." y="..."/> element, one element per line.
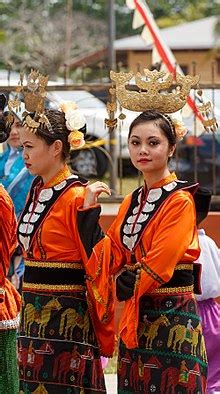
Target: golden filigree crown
<point x="34" y="95"/>
<point x="158" y="90"/>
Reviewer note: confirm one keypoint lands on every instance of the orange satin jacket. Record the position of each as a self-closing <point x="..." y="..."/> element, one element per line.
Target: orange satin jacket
<point x="10" y="300"/>
<point x="56" y="238"/>
<point x="170" y="237"/>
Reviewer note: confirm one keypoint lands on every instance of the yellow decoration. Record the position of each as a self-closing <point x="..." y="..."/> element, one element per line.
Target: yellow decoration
<point x="76" y="139"/>
<point x="34" y="94"/>
<point x="154" y="91"/>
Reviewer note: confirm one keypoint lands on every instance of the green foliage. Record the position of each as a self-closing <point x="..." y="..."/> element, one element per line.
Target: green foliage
<point x="34" y="31"/>
<point x="2" y="36"/>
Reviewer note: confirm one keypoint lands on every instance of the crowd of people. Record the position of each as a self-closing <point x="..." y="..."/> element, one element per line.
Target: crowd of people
<point x="150" y="259"/>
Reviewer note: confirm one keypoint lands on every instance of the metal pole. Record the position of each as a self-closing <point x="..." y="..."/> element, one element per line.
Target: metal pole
<point x="111" y="35"/>
<point x="68" y="42"/>
<point x="113" y="169"/>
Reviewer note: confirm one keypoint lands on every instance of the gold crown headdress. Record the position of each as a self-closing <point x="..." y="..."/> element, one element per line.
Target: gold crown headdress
<point x="34" y="95"/>
<point x="155" y="92"/>
<point x="158" y="91"/>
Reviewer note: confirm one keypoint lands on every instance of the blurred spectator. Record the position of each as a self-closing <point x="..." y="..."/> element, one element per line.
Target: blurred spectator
<point x="210" y="282"/>
<point x="17" y="180"/>
<point x="10" y="300"/>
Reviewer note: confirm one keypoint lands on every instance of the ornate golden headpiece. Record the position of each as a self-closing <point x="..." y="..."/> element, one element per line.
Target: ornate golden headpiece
<point x="154" y="92"/>
<point x="159" y="91"/>
<point x="208" y="117"/>
<point x="34" y="95"/>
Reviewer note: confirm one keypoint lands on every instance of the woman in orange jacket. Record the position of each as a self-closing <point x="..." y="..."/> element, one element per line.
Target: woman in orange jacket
<point x="10" y="300"/>
<point x="150" y="248"/>
<point x="57" y="347"/>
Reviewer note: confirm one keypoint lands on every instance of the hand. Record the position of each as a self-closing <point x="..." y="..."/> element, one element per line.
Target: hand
<point x="93" y="191"/>
<point x="125" y="284"/>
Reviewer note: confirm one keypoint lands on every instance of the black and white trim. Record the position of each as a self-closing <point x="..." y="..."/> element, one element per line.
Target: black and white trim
<point x="36" y="211"/>
<point x="143" y="208"/>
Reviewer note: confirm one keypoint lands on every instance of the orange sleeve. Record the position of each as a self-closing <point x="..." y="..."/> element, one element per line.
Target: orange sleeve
<point x="7" y="236"/>
<point x="106" y="259"/>
<point x="174" y="239"/>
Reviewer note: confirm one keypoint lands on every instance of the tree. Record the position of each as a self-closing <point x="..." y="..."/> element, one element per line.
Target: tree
<point x="38" y="39"/>
<point x="35" y="32"/>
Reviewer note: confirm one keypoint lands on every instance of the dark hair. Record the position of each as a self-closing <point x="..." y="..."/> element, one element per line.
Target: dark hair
<point x="4" y="124"/>
<point x="56" y="131"/>
<point x="160" y="120"/>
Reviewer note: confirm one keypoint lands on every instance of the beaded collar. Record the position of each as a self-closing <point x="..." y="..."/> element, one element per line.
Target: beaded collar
<point x="145" y="204"/>
<point x="41" y="200"/>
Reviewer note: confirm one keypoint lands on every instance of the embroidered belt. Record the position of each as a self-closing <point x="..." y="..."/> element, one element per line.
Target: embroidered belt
<point x="182" y="281"/>
<point x="182" y="276"/>
<point x="183" y="266"/>
<point x="173" y="290"/>
<point x="53" y="275"/>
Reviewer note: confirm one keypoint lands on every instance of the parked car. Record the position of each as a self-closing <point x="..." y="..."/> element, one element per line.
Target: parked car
<point x="198" y="158"/>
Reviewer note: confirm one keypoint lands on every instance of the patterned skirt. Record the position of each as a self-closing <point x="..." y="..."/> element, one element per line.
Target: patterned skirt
<point x="57" y="349"/>
<point x="171" y="357"/>
<point x="8" y="362"/>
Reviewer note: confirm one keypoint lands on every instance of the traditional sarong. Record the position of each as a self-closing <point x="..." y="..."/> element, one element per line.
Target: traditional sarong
<point x="171" y="357"/>
<point x="57" y="350"/>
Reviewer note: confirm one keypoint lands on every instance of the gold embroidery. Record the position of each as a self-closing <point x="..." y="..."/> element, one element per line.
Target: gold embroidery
<point x="97" y="295"/>
<point x="40" y="315"/>
<point x="180" y="289"/>
<point x="69" y="319"/>
<point x="183" y="266"/>
<point x="39" y="244"/>
<point x="44" y="286"/>
<point x="151" y="331"/>
<point x="133" y="267"/>
<point x="179" y="333"/>
<point x="52" y="264"/>
<point x="153" y="274"/>
<point x="100" y="262"/>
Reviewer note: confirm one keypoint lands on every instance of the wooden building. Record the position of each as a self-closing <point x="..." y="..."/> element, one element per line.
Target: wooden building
<point x="195" y="46"/>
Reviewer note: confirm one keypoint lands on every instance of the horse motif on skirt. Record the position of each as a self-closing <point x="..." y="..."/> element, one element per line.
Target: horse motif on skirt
<point x="179" y="333"/>
<point x="150" y="330"/>
<point x="70" y="319"/>
<point x="41" y="317"/>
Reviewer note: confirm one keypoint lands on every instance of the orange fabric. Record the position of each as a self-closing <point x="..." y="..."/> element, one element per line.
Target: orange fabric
<point x="57" y="237"/>
<point x="169" y="238"/>
<point x="9" y="297"/>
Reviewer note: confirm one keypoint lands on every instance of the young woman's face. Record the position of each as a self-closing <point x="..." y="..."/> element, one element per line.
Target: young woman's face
<point x="38" y="156"/>
<point x="149" y="148"/>
<point x="14" y="138"/>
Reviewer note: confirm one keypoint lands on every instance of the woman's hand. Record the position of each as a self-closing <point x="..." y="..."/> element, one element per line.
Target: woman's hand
<point x="93" y="191"/>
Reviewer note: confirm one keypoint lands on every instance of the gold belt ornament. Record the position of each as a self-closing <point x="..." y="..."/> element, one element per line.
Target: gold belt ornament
<point x="53" y="264"/>
<point x="171" y="290"/>
<point x="46" y="287"/>
<point x="183" y="266"/>
<point x="54" y="276"/>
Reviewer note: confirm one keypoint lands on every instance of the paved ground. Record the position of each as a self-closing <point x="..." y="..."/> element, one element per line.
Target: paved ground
<point x="111" y="383"/>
